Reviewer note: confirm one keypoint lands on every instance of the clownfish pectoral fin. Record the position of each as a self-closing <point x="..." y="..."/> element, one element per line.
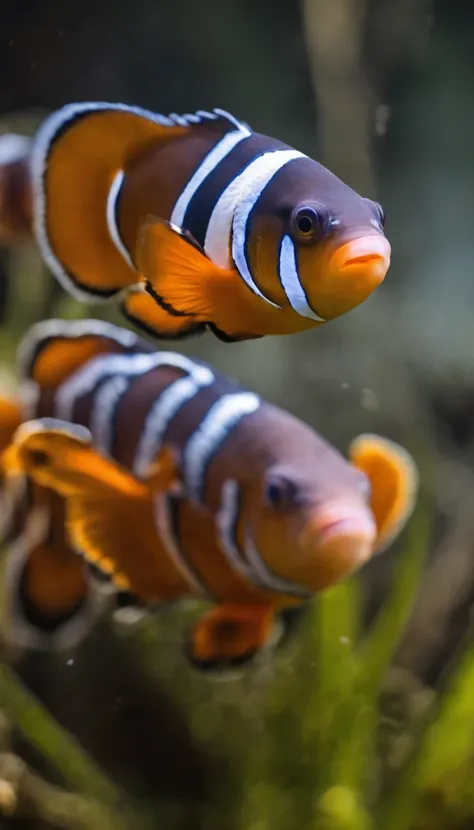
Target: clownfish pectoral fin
<point x="48" y="602"/>
<point x="393" y="477"/>
<point x="53" y="349"/>
<point x="143" y="311"/>
<point x="106" y="506"/>
<point x="230" y="635"/>
<point x="178" y="274"/>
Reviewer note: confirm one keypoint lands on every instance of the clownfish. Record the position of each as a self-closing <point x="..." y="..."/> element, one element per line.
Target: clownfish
<point x="178" y="483"/>
<point x="195" y="220"/>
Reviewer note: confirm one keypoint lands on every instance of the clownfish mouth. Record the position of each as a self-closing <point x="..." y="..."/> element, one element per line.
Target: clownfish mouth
<point x="368" y="253"/>
<point x="341" y="522"/>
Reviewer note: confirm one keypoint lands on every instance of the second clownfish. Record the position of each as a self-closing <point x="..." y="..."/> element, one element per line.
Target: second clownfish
<point x="177" y="483"/>
<point x="197" y="220"/>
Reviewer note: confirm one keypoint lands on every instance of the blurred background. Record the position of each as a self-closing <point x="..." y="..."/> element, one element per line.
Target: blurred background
<point x="380" y="91"/>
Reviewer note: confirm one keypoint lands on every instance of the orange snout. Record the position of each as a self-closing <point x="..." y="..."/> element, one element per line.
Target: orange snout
<point x="353" y="271"/>
<point x="338" y="539"/>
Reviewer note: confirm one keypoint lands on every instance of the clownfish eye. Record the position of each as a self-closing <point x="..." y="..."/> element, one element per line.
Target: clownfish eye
<point x="281" y="493"/>
<point x="308" y="224"/>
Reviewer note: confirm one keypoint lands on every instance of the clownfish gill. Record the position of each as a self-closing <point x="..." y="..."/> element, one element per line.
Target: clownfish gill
<point x="193" y="221"/>
<point x="158" y="477"/>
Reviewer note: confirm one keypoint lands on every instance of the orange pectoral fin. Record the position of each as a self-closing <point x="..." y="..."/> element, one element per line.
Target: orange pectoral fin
<point x="181" y="277"/>
<point x="144" y="312"/>
<point x="59" y="455"/>
<point x="230" y="635"/>
<point x="393" y="476"/>
<point x="110" y="516"/>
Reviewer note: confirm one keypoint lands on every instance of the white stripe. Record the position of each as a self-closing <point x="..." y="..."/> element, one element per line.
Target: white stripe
<point x="225" y="523"/>
<point x="84" y="381"/>
<point x="291" y="281"/>
<point x="232" y="210"/>
<point x="262" y="170"/>
<point x="255" y="569"/>
<point x="220" y="419"/>
<point x="210" y="162"/>
<point x="69" y="329"/>
<point x="162" y="412"/>
<point x="171" y="545"/>
<point x="267" y="578"/>
<point x="105" y="405"/>
<point x="111" y="215"/>
<point x="38" y="161"/>
<point x="77" y="431"/>
<point x="13" y="147"/>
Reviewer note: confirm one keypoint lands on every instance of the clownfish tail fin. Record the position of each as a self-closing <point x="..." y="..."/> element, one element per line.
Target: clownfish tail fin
<point x="49" y="603"/>
<point x="15" y="187"/>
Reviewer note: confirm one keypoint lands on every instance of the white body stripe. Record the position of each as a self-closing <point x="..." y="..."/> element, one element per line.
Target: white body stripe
<point x="220" y="419"/>
<point x="162" y="412"/>
<point x="69" y="329"/>
<point x="210" y="162"/>
<point x="232" y="209"/>
<point x="84" y="381"/>
<point x="291" y="282"/>
<point x="171" y="545"/>
<point x="225" y="520"/>
<point x="104" y="407"/>
<point x="267" y="578"/>
<point x="111" y="216"/>
<point x="39" y="158"/>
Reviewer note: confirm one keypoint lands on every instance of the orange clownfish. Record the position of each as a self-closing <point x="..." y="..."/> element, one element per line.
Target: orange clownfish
<point x="196" y="220"/>
<point x="179" y="483"/>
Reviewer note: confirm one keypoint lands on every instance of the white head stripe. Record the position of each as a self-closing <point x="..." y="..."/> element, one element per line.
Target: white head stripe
<point x="210" y="162"/>
<point x="38" y="162"/>
<point x="220" y="419"/>
<point x="254" y="181"/>
<point x="267" y="578"/>
<point x="253" y="567"/>
<point x="84" y="381"/>
<point x="291" y="281"/>
<point x="218" y="235"/>
<point x="69" y="329"/>
<point x="225" y="520"/>
<point x="111" y="216"/>
<point x="162" y="412"/>
<point x="171" y="545"/>
<point x="104" y="407"/>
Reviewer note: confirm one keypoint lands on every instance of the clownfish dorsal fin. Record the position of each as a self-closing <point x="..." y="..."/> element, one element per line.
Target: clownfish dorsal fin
<point x="216" y="119"/>
<point x="79" y="159"/>
<point x="393" y="477"/>
<point x="54" y="349"/>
